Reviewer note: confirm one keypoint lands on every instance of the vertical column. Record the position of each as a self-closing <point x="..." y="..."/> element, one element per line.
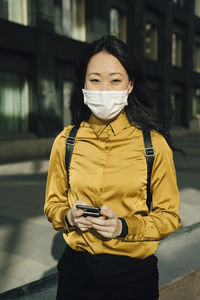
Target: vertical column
<point x="47" y="107"/>
<point x="166" y="49"/>
<point x="135" y="29"/>
<point x="97" y="19"/>
<point x="189" y="62"/>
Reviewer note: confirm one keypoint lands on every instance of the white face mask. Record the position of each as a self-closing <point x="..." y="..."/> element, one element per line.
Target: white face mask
<point x="106" y="105"/>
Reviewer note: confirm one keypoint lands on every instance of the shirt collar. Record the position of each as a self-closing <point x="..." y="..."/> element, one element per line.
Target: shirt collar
<point x="117" y="125"/>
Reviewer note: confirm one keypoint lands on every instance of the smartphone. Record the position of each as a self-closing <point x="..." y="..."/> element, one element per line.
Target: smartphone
<point x="92" y="211"/>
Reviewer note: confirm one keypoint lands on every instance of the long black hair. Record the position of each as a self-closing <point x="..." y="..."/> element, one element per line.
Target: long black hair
<point x="142" y="110"/>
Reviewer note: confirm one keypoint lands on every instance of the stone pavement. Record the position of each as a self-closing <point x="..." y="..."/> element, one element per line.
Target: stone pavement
<point x="30" y="248"/>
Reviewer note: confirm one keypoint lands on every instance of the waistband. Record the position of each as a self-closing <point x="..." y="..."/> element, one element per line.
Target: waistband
<point x="109" y="258"/>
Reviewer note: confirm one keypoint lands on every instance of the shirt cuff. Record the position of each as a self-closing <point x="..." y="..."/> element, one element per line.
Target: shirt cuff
<point x="134" y="225"/>
<point x="70" y="227"/>
<point x="124" y="232"/>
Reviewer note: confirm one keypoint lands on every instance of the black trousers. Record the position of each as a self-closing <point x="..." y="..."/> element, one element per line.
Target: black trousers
<point x="82" y="276"/>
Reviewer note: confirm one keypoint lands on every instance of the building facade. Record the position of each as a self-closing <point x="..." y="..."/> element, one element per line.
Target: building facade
<point x="40" y="42"/>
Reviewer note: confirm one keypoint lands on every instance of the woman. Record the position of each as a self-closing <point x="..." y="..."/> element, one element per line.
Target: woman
<point x="111" y="256"/>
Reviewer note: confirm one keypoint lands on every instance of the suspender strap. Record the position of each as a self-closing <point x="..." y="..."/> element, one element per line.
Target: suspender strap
<point x="149" y="154"/>
<point x="70" y="141"/>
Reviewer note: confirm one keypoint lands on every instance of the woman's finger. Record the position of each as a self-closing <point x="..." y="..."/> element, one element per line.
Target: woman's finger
<point x="101" y="228"/>
<point x="78" y="213"/>
<point x="83" y="229"/>
<point x="109" y="228"/>
<point x="102" y="223"/>
<point x="107" y="212"/>
<point x="83" y="222"/>
<point x="99" y="221"/>
<point x="84" y="226"/>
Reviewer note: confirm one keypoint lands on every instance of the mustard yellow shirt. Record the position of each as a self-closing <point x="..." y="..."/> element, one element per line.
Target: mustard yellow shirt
<point x="108" y="167"/>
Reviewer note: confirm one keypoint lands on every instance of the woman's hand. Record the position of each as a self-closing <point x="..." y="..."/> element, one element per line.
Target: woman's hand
<point x="75" y="217"/>
<point x="109" y="226"/>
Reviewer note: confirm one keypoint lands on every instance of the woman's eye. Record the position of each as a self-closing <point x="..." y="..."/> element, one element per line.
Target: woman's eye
<point x="116" y="80"/>
<point x="94" y="80"/>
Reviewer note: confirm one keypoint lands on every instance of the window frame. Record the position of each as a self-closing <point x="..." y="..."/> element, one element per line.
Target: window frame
<point x="177" y="60"/>
<point x="76" y="15"/>
<point x="180" y="3"/>
<point x="27" y="11"/>
<point x="194" y="105"/>
<point x="197" y="8"/>
<point x="155" y="32"/>
<point x="178" y="92"/>
<point x="196" y="54"/>
<point x="122" y="34"/>
<point x="23" y="124"/>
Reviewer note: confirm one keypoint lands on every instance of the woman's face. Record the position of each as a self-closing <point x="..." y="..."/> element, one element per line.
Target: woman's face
<point x="105" y="72"/>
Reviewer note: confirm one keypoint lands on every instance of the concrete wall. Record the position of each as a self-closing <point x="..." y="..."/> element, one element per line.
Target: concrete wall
<point x="20" y="150"/>
<point x="184" y="288"/>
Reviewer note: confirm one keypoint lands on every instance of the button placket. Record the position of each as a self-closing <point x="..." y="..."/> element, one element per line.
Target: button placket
<point x="105" y="139"/>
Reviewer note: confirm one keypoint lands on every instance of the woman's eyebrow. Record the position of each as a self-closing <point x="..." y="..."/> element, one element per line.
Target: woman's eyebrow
<point x="94" y="73"/>
<point x="115" y="73"/>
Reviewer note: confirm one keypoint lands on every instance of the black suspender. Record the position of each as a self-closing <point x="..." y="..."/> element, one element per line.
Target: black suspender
<point x="70" y="141"/>
<point x="148" y="152"/>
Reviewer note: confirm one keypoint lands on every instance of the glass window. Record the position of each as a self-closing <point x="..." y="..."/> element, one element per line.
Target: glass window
<point x="14" y="102"/>
<point x="196" y="103"/>
<point x="176" y="101"/>
<point x="67" y="88"/>
<point x="151" y="41"/>
<point x="196" y="59"/>
<point x="69" y="18"/>
<point x="118" y="23"/>
<point x="178" y="2"/>
<point x="14" y="10"/>
<point x="197" y="8"/>
<point x="177" y="43"/>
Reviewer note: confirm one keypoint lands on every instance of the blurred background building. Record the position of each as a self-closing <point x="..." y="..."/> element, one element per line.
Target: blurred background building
<point x="40" y="42"/>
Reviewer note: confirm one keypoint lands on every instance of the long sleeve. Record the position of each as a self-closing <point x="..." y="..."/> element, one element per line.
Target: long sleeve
<point x="56" y="202"/>
<point x="164" y="218"/>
